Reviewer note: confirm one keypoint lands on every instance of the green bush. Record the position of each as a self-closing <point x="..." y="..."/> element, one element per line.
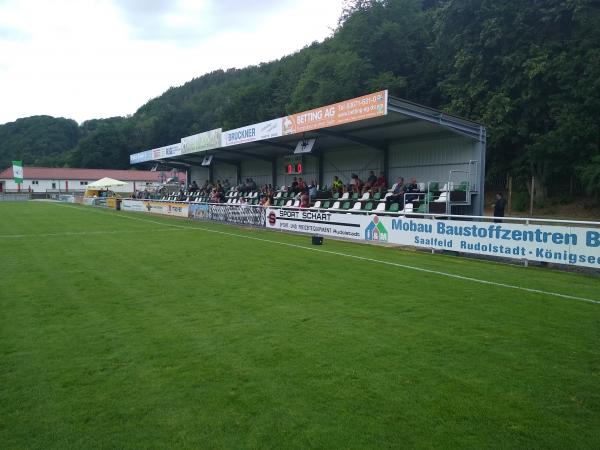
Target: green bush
<point x="520" y="200"/>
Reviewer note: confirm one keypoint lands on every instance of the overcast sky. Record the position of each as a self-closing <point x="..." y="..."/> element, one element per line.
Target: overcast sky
<point x="86" y="59"/>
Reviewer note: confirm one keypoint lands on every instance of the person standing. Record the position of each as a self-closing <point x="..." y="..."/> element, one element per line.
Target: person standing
<point x="499" y="207"/>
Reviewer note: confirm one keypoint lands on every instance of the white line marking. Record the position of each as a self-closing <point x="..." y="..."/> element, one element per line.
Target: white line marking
<point x="75" y="233"/>
<point x="362" y="258"/>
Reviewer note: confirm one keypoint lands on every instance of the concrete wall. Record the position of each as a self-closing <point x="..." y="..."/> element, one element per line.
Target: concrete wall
<point x="42" y="186"/>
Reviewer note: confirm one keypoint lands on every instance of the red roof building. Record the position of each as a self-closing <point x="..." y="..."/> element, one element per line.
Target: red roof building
<point x="49" y="179"/>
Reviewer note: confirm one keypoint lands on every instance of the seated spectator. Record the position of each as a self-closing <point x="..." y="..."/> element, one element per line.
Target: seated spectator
<point x="355" y="184"/>
<point x="337" y="185"/>
<point x="194" y="186"/>
<point x="380" y="185"/>
<point x="226" y="185"/>
<point x="304" y="199"/>
<point x="301" y="185"/>
<point x="294" y="186"/>
<point x="370" y="182"/>
<point x="251" y="184"/>
<point x="312" y="189"/>
<point x="215" y="196"/>
<point x="265" y="201"/>
<point x="243" y="201"/>
<point x="397" y="193"/>
<point x="410" y="190"/>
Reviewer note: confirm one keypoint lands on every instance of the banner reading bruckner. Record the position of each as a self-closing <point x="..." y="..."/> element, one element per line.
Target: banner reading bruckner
<point x="251" y="133"/>
<point x="545" y="243"/>
<point x="348" y="226"/>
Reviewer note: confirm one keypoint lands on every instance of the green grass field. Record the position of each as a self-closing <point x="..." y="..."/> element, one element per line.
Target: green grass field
<point x="130" y="331"/>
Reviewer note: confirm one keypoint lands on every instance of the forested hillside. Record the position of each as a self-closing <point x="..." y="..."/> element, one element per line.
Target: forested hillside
<point x="529" y="70"/>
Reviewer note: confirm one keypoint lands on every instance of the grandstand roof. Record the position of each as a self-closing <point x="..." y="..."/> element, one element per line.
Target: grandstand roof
<point x="51" y="173"/>
<point x="403" y="120"/>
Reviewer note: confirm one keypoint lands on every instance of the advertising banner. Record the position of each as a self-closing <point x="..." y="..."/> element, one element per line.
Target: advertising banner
<point x="133" y="205"/>
<point x="360" y="108"/>
<point x="544" y="243"/>
<point x="199" y="211"/>
<point x="17" y="171"/>
<point x="166" y="151"/>
<point x="201" y="142"/>
<point x="141" y="157"/>
<point x="156" y="207"/>
<point x="341" y="225"/>
<point x="238" y="214"/>
<point x="251" y="133"/>
<point x="167" y="208"/>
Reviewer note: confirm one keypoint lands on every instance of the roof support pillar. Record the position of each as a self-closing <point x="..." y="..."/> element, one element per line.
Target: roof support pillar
<point x="386" y="163"/>
<point x="274" y="172"/>
<point x="321" y="164"/>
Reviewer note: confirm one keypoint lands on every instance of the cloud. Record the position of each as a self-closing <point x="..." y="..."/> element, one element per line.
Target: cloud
<point x="12" y="34"/>
<point x="186" y="22"/>
<point x="87" y="59"/>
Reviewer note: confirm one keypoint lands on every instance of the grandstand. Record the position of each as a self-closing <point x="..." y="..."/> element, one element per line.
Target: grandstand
<point x="376" y="132"/>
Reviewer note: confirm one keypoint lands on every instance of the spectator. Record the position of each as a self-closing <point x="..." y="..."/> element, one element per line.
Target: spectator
<point x="370" y="182"/>
<point x="301" y="185"/>
<point x="265" y="201"/>
<point x="304" y="199"/>
<point x="226" y="184"/>
<point x="355" y="184"/>
<point x="194" y="186"/>
<point x="312" y="189"/>
<point x="397" y="193"/>
<point x="215" y="196"/>
<point x="410" y="190"/>
<point x="337" y="185"/>
<point x="499" y="206"/>
<point x="294" y="186"/>
<point x="381" y="183"/>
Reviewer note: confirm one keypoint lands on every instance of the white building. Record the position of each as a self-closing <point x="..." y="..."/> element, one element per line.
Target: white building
<point x="47" y="179"/>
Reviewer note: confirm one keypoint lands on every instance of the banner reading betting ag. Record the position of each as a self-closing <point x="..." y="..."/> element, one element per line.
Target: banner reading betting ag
<point x="360" y="108"/>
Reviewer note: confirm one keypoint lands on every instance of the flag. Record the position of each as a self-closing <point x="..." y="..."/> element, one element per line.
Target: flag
<point x="18" y="171"/>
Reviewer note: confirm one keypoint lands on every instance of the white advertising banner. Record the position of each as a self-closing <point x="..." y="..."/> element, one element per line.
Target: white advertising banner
<point x="256" y="132"/>
<point x="133" y="205"/>
<point x="156" y="207"/>
<point x="201" y="142"/>
<point x="348" y="226"/>
<point x="140" y="157"/>
<point x="569" y="245"/>
<point x="544" y="243"/>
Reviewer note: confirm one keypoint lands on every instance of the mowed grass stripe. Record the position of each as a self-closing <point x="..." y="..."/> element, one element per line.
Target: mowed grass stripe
<point x="197" y="339"/>
<point x="459" y="268"/>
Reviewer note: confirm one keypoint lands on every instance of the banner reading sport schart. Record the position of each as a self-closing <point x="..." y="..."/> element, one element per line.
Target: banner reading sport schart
<point x="348" y="226"/>
<point x="545" y="243"/>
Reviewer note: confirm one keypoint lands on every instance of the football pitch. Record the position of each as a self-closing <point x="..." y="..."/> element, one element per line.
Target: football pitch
<point x="125" y="330"/>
